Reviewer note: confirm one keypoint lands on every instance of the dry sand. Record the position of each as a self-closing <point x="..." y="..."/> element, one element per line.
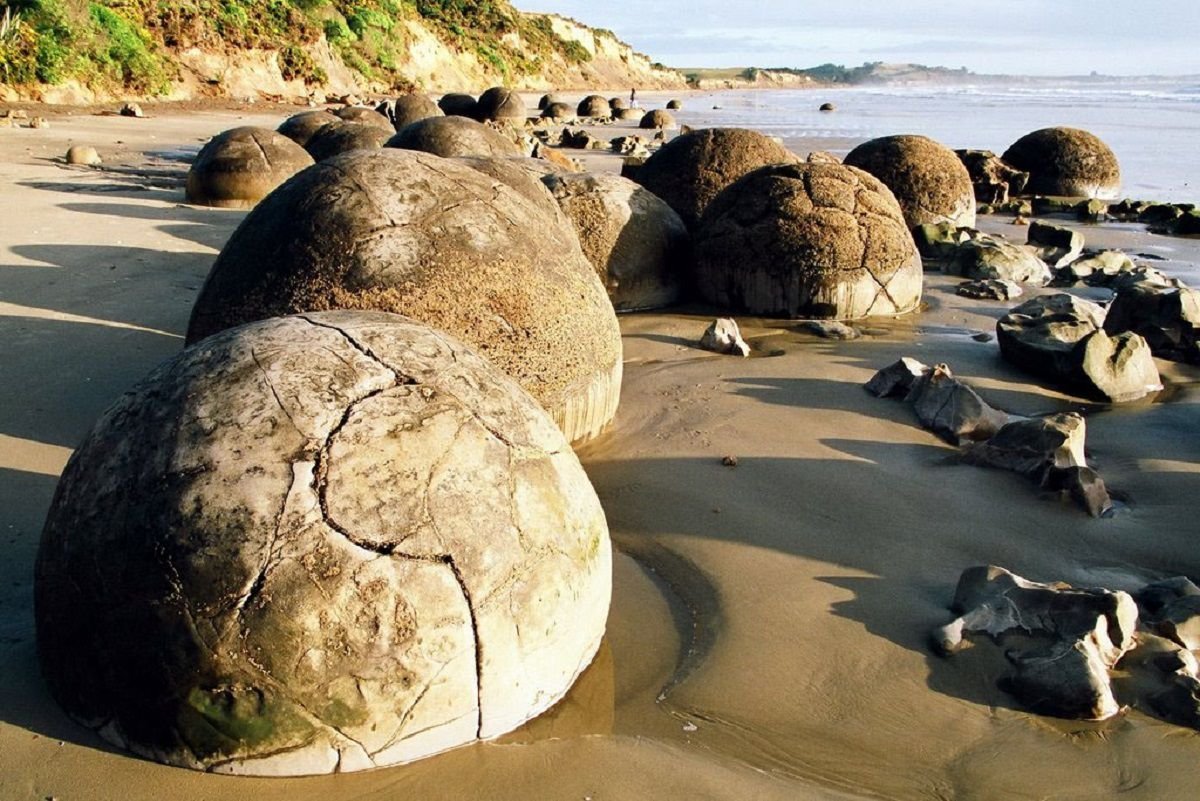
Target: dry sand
<point x="768" y="631"/>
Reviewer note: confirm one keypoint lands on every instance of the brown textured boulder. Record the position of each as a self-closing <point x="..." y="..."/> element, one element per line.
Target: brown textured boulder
<point x="452" y="136"/>
<point x="364" y="115"/>
<point x="524" y="176"/>
<point x="807" y="240"/>
<point x="84" y="155"/>
<point x="345" y="541"/>
<point x="636" y="242"/>
<point x="558" y="111"/>
<point x="237" y="168"/>
<point x="658" y="119"/>
<point x="549" y="99"/>
<point x="300" y="127"/>
<point x="594" y="106"/>
<point x="618" y="103"/>
<point x="691" y="169"/>
<point x="499" y="103"/>
<point x="627" y="114"/>
<point x="407" y="232"/>
<point x="928" y="180"/>
<point x="409" y="108"/>
<point x="1066" y="161"/>
<point x="456" y="104"/>
<point x="342" y="137"/>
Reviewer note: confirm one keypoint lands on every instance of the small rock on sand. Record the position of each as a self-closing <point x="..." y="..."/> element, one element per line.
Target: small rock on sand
<point x="83" y="154"/>
<point x="723" y="336"/>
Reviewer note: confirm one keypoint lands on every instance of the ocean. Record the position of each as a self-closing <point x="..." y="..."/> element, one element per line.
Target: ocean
<point x="1152" y="125"/>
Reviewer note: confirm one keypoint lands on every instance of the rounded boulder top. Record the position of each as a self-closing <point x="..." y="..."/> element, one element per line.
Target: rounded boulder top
<point x="808" y="240"/>
<point x="1066" y="161"/>
<point x="342" y="137"/>
<point x="558" y="111"/>
<point x="500" y="103"/>
<point x="407" y="232"/>
<point x="594" y="106"/>
<point x="409" y="108"/>
<point x="300" y="127"/>
<point x="365" y="115"/>
<point x="458" y="105"/>
<point x="452" y="136"/>
<point x="239" y="167"/>
<point x="692" y="168"/>
<point x="404" y="556"/>
<point x="658" y="119"/>
<point x="927" y="178"/>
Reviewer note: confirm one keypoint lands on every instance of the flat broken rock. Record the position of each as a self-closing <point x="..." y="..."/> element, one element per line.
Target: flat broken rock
<point x="347" y="541"/>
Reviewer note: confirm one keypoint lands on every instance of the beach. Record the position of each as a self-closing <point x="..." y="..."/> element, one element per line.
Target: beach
<point x="769" y="633"/>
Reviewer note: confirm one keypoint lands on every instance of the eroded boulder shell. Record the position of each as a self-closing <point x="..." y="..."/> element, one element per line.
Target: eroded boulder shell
<point x="239" y="167"/>
<point x="407" y="232"/>
<point x="1066" y="161"/>
<point x="452" y="136"/>
<point x="636" y="242"/>
<point x="927" y="178"/>
<point x="345" y="541"/>
<point x="691" y="169"/>
<point x="807" y="240"/>
<point x="301" y="127"/>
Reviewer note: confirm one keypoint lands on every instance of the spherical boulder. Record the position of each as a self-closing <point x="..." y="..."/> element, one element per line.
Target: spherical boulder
<point x="409" y="108"/>
<point x="524" y="176"/>
<point x="499" y="103"/>
<point x="594" y="106"/>
<point x="458" y="105"/>
<point x="636" y="242"/>
<point x="1066" y="161"/>
<point x="408" y="232"/>
<point x="364" y="115"/>
<point x="658" y="119"/>
<point x="549" y="99"/>
<point x="627" y="114"/>
<point x="452" y="136"/>
<point x="927" y="178"/>
<point x="558" y="111"/>
<point x="342" y="137"/>
<point x="319" y="544"/>
<point x="300" y="127"/>
<point x="618" y="103"/>
<point x="674" y="105"/>
<point x="691" y="169"/>
<point x="808" y="240"/>
<point x="83" y="154"/>
<point x="239" y="167"/>
<point x="827" y="107"/>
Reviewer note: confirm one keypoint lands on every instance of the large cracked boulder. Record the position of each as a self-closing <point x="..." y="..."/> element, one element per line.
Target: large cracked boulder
<point x="928" y="180"/>
<point x="1167" y="317"/>
<point x="691" y="169"/>
<point x="636" y="242"/>
<point x="342" y="137"/>
<point x="523" y="175"/>
<point x="319" y="544"/>
<point x="239" y="167"/>
<point x="407" y="232"/>
<point x="452" y="136"/>
<point x="300" y="127"/>
<point x="500" y="103"/>
<point x="1066" y="161"/>
<point x="1061" y="338"/>
<point x="807" y="240"/>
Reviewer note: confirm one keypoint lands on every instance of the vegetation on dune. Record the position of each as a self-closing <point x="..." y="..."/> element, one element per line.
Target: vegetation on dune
<point x="128" y="43"/>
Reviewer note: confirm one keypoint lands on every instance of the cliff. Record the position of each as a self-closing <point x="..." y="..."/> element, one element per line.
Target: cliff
<point x="81" y="51"/>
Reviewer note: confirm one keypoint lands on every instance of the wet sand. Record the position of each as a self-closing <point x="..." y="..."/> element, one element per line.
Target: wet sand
<point x="768" y="632"/>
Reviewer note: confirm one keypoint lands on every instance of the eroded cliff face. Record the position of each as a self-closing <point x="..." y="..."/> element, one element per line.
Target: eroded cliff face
<point x="427" y="60"/>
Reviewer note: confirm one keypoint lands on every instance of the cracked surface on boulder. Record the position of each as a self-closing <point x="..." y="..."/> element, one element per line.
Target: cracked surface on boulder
<point x="407" y="232"/>
<point x="808" y="240"/>
<point x="452" y="136"/>
<point x="315" y="544"/>
<point x="927" y="178"/>
<point x="238" y="167"/>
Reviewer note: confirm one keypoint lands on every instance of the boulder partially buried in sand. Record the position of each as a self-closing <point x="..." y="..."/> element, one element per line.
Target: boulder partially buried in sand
<point x="807" y="240"/>
<point x="1066" y="161"/>
<point x="659" y="119"/>
<point x="452" y="136"/>
<point x="928" y="180"/>
<point x="239" y="167"/>
<point x="342" y="137"/>
<point x="594" y="106"/>
<point x="301" y="127"/>
<point x="499" y="103"/>
<point x="403" y="557"/>
<point x="691" y="169"/>
<point x="407" y="232"/>
<point x="636" y="242"/>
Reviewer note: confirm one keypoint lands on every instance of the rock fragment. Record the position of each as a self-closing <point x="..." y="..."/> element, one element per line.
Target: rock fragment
<point x="723" y="336"/>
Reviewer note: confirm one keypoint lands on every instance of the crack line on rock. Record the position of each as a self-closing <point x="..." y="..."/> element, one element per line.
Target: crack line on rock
<point x="274" y="392"/>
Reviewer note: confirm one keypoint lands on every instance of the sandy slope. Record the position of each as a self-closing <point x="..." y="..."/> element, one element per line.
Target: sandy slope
<point x="767" y="638"/>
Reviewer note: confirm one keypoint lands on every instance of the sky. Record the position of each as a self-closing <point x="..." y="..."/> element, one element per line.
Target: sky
<point x="1015" y="37"/>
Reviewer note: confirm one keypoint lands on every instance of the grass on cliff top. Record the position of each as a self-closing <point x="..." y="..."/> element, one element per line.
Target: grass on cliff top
<point x="128" y="43"/>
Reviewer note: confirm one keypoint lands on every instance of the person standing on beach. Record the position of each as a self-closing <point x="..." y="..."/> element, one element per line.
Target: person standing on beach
<point x="633" y="98"/>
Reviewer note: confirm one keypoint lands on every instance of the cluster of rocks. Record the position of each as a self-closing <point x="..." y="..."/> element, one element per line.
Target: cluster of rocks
<point x="1063" y="643"/>
<point x="1047" y="450"/>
